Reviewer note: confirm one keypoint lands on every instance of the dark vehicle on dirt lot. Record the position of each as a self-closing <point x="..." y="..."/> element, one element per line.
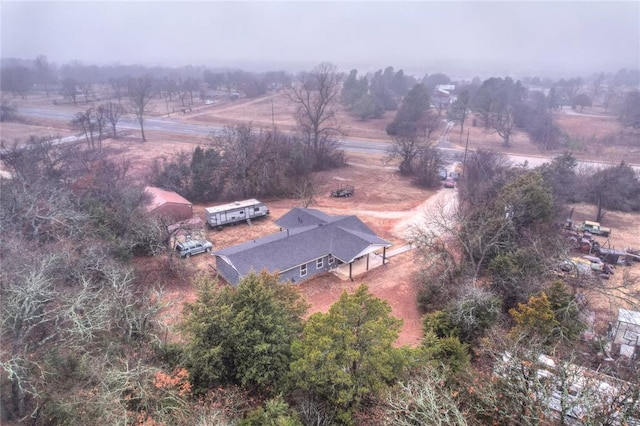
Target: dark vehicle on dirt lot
<point x="343" y="191"/>
<point x="449" y="182"/>
<point x="191" y="247"/>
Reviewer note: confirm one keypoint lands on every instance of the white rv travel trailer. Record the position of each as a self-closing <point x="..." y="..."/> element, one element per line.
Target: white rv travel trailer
<point x="238" y="211"/>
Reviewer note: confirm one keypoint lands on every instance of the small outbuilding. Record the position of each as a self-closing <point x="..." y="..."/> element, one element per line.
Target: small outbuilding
<point x="168" y="205"/>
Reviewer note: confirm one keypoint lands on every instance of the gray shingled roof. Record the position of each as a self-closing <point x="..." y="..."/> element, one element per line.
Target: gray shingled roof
<point x="309" y="235"/>
<point x="298" y="217"/>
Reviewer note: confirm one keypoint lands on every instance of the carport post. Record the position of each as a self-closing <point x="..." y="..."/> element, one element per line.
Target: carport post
<point x="350" y="265"/>
<point x="368" y="261"/>
<point x="384" y="255"/>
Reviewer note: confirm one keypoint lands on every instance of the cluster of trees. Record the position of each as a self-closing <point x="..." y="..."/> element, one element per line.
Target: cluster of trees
<point x="505" y="105"/>
<point x="78" y="323"/>
<point x="372" y="95"/>
<point x="488" y="266"/>
<point x="81" y="336"/>
<point x="21" y="77"/>
<point x="339" y="367"/>
<point x="413" y="129"/>
<point x="244" y="162"/>
<point x="251" y="84"/>
<point x="505" y="223"/>
<point x="239" y="162"/>
<point x="97" y="123"/>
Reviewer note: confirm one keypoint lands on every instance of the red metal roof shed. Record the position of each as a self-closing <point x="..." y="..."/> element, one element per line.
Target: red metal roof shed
<point x="168" y="204"/>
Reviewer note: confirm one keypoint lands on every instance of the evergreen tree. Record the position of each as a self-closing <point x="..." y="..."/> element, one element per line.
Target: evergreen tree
<point x="207" y="180"/>
<point x="351" y="90"/>
<point x="347" y="353"/>
<point x="411" y="112"/>
<point x="242" y="334"/>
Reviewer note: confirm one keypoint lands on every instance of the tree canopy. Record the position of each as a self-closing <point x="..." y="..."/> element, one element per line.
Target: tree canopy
<point x="242" y="335"/>
<point x="411" y="113"/>
<point x="347" y="353"/>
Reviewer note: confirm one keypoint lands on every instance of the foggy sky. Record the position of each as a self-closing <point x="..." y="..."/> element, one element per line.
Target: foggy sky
<point x="532" y="38"/>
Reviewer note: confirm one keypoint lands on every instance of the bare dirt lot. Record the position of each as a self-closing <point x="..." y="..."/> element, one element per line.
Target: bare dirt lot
<point x="384" y="200"/>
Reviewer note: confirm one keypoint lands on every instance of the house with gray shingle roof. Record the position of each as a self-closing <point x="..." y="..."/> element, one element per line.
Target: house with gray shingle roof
<point x="310" y="242"/>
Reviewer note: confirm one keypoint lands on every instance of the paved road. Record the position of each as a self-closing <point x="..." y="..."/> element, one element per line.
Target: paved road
<point x="352" y="145"/>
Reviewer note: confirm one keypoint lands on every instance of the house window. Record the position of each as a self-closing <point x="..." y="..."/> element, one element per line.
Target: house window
<point x="319" y="263"/>
<point x="330" y="261"/>
<point x="256" y="209"/>
<point x="303" y="270"/>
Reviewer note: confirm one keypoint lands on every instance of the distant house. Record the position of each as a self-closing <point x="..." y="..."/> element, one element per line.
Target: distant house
<point x="446" y="87"/>
<point x="169" y="205"/>
<point x="309" y="243"/>
<point x="441" y="96"/>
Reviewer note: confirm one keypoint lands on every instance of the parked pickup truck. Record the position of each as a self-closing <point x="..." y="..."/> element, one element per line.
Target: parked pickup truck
<point x="595" y="228"/>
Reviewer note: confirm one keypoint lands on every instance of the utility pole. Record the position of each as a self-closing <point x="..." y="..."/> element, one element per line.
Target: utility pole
<point x="464" y="160"/>
<point x="273" y="121"/>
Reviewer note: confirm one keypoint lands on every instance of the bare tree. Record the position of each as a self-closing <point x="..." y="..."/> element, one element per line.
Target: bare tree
<point x="460" y="109"/>
<point x="503" y="123"/>
<point x="85" y="121"/>
<point x="307" y="188"/>
<point x="610" y="96"/>
<point x="406" y="148"/>
<point x="536" y="386"/>
<point x="316" y="96"/>
<point x="449" y="229"/>
<point x="28" y="316"/>
<point x="422" y="399"/>
<point x="190" y="85"/>
<point x="429" y="161"/>
<point x="43" y="72"/>
<point x="597" y="84"/>
<point x="430" y="122"/>
<point x="69" y="89"/>
<point x="112" y="113"/>
<point x="118" y="87"/>
<point x="140" y="93"/>
<point x="86" y="88"/>
<point x="33" y="202"/>
<point x="16" y="79"/>
<point x="254" y="160"/>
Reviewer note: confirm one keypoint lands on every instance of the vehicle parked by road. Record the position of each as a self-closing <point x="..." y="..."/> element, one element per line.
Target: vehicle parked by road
<point x="449" y="182"/>
<point x="343" y="191"/>
<point x="191" y="247"/>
